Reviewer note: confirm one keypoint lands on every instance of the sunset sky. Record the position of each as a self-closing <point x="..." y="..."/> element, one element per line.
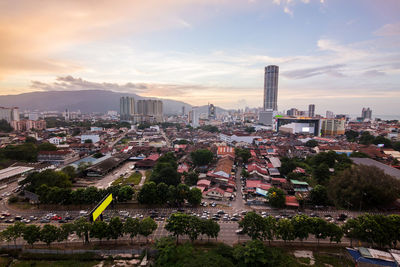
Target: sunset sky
<point x="338" y="54"/>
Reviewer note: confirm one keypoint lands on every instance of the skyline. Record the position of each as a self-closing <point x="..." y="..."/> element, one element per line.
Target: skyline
<point x="337" y="55"/>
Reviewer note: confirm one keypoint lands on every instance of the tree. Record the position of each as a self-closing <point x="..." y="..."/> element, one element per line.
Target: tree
<point x="319" y="195"/>
<point x="269" y="228"/>
<point x="191" y="178"/>
<point x="319" y="228"/>
<point x="210" y="228"/>
<point x="252" y="254"/>
<point x="357" y="154"/>
<point x="194" y="228"/>
<point x="171" y="195"/>
<point x="70" y="171"/>
<point x="321" y="173"/>
<point x="16" y="231"/>
<point x="301" y="226"/>
<point x="125" y="193"/>
<point x="242" y="154"/>
<point x="201" y="157"/>
<point x="30" y="139"/>
<point x="82" y="229"/>
<point x="115" y="227"/>
<point x="253" y="225"/>
<point x="148" y="194"/>
<point x="351" y="135"/>
<point x="311" y="143"/>
<point x="335" y="233"/>
<point x="165" y="172"/>
<point x="147" y="226"/>
<point x="396" y="146"/>
<point x="250" y="129"/>
<point x="65" y="230"/>
<point x="5" y="126"/>
<point x="182" y="192"/>
<point x="162" y="193"/>
<point x="285" y="230"/>
<point x="131" y="227"/>
<point x="99" y="229"/>
<point x="46" y="147"/>
<point x="366" y="138"/>
<point x="88" y="141"/>
<point x="276" y="197"/>
<point x="177" y="224"/>
<point x="31" y="234"/>
<point x="363" y="187"/>
<point x="194" y="196"/>
<point x="382" y="140"/>
<point x="49" y="234"/>
<point x="50" y="178"/>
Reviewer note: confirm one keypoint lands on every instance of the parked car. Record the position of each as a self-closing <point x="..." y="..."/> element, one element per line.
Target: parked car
<point x="56" y="218"/>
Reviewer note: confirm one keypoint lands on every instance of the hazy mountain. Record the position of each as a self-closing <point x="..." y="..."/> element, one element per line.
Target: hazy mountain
<point x="85" y="100"/>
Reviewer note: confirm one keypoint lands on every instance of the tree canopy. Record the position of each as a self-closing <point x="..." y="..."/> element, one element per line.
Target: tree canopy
<point x="201" y="157"/>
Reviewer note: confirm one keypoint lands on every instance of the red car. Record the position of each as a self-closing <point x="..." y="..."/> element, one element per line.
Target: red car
<point x="56" y="218"/>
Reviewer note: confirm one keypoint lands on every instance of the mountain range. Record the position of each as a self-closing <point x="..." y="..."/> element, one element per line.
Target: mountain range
<point x="86" y="101"/>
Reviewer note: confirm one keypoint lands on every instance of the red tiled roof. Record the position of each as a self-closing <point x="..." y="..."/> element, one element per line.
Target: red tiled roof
<point x="291" y="201"/>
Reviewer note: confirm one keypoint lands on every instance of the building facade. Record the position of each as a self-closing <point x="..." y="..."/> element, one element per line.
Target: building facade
<point x="212" y="112"/>
<point x="332" y="127"/>
<point x="26" y="125"/>
<point x="311" y="110"/>
<point x="150" y="110"/>
<point x="271" y="87"/>
<point x="126" y="107"/>
<point x="366" y="114"/>
<point x="9" y="114"/>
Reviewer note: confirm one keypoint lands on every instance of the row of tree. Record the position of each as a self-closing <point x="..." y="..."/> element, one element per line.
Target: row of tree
<point x="24" y="152"/>
<point x="162" y="194"/>
<point x="180" y="224"/>
<point x="49" y="233"/>
<point x="88" y="195"/>
<point x="379" y="230"/>
<point x="300" y="226"/>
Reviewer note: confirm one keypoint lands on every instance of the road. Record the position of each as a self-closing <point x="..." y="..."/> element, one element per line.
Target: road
<point x="238" y="204"/>
<point x="110" y="177"/>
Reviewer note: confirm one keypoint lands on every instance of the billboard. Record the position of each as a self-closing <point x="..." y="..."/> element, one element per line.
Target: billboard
<point x="98" y="210"/>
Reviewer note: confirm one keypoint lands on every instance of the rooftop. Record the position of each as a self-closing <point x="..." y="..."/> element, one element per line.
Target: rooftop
<point x="370" y="162"/>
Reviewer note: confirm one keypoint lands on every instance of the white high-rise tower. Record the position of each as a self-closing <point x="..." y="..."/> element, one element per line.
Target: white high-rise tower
<point x="271" y="88"/>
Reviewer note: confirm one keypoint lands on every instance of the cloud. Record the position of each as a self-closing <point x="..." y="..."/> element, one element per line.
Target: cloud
<point x="389" y="30"/>
<point x="332" y="70"/>
<point x="373" y="73"/>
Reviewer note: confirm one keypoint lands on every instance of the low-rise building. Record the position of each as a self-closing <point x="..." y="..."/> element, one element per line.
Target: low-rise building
<point x="58" y="157"/>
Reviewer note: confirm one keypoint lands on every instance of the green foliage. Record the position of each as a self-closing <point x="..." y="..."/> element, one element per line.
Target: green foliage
<point x="82" y="228"/>
<point x="5" y="126"/>
<point x="148" y="194"/>
<point x="30" y="139"/>
<point x="351" y="135"/>
<point x="24" y="152"/>
<point x="97" y="155"/>
<point x="357" y="154"/>
<point x="252" y="225"/>
<point x="363" y="187"/>
<point x="99" y="229"/>
<point x="131" y="227"/>
<point x="46" y="147"/>
<point x="276" y="197"/>
<point x="194" y="196"/>
<point x="114" y="229"/>
<point x="319" y="195"/>
<point x="242" y="154"/>
<point x="49" y="178"/>
<point x="210" y="128"/>
<point x="366" y="138"/>
<point x="201" y="157"/>
<point x="321" y="173"/>
<point x="147" y="226"/>
<point x="31" y="234"/>
<point x="49" y="234"/>
<point x="382" y="140"/>
<point x="311" y="143"/>
<point x="250" y="129"/>
<point x="165" y="170"/>
<point x="285" y="230"/>
<point x="191" y="178"/>
<point x="70" y="171"/>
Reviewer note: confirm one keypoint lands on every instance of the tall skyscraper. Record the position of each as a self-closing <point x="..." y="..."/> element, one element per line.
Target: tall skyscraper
<point x="311" y="110"/>
<point x="330" y="114"/>
<point x="212" y="113"/>
<point x="126" y="107"/>
<point x="271" y="87"/>
<point x="150" y="110"/>
<point x="366" y="114"/>
<point x="9" y="114"/>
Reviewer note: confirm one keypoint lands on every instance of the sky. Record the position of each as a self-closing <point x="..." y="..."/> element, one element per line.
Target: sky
<point x="340" y="55"/>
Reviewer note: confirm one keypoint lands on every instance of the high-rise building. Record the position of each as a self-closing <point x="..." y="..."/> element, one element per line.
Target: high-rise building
<point x="150" y="110"/>
<point x="329" y="114"/>
<point x="332" y="127"/>
<point x="271" y="87"/>
<point x="194" y="116"/>
<point x="183" y="110"/>
<point x="292" y="112"/>
<point x="212" y="112"/>
<point x="311" y="110"/>
<point x="126" y="107"/>
<point x="366" y="114"/>
<point x="9" y="114"/>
